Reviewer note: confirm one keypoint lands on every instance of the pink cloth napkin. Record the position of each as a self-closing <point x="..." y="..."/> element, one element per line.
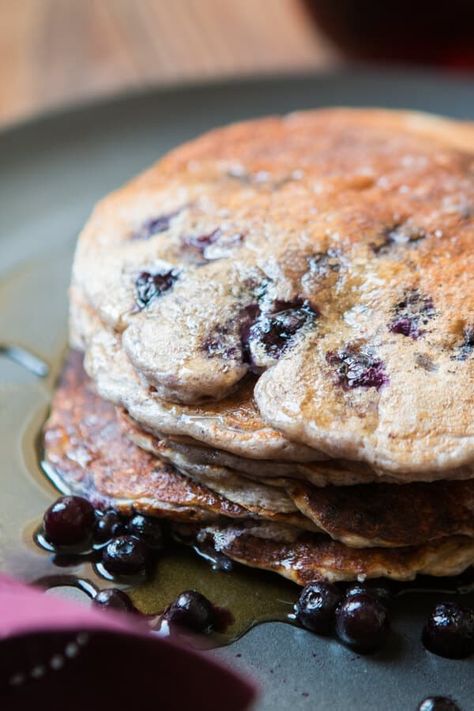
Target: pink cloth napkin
<point x="57" y="655"/>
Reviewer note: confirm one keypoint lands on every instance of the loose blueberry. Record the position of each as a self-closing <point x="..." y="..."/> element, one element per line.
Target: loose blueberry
<point x="377" y="589"/>
<point x="68" y="521"/>
<point x="148" y="529"/>
<point x="438" y="703"/>
<point x="107" y="526"/>
<point x="449" y="631"/>
<point x="150" y="285"/>
<point x="362" y="623"/>
<point x="317" y="605"/>
<point x="357" y="368"/>
<point x="191" y="610"/>
<point x="125" y="555"/>
<point x="113" y="599"/>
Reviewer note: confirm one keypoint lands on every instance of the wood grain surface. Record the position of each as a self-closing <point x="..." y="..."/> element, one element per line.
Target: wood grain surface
<point x="55" y="52"/>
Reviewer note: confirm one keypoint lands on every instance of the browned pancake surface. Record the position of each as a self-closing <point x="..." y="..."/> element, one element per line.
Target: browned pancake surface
<point x="303" y="557"/>
<point x="387" y="514"/>
<point x="84" y="446"/>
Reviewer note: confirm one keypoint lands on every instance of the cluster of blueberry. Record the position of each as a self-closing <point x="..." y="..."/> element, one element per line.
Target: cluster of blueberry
<point x="125" y="547"/>
<point x="359" y="615"/>
<point x="360" y="618"/>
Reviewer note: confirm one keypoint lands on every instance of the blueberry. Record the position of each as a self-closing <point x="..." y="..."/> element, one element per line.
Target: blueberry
<point x="466" y="348"/>
<point x="107" y="526"/>
<point x="449" y="631"/>
<point x="148" y="529"/>
<point x="438" y="703"/>
<point x="317" y="605"/>
<point x="377" y="589"/>
<point x="247" y="317"/>
<point x="150" y="285"/>
<point x="357" y="368"/>
<point x="276" y="329"/>
<point x="113" y="599"/>
<point x="411" y="313"/>
<point x="397" y="234"/>
<point x="125" y="555"/>
<point x="191" y="610"/>
<point x="362" y="623"/>
<point x="155" y="225"/>
<point x="200" y="242"/>
<point x="69" y="521"/>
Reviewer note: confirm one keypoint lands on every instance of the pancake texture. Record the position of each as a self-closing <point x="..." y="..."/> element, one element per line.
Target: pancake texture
<point x="371" y="515"/>
<point x="298" y="531"/>
<point x="387" y="515"/>
<point x="233" y="424"/>
<point x="87" y="452"/>
<point x="303" y="557"/>
<point x="324" y="261"/>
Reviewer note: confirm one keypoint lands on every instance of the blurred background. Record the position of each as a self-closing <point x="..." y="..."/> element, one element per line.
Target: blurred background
<point x="56" y="52"/>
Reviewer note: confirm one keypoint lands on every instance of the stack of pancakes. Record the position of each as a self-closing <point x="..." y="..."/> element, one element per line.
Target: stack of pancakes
<point x="273" y="346"/>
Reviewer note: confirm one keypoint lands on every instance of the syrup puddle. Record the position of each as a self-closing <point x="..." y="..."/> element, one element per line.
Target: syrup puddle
<point x="244" y="597"/>
<point x="241" y="596"/>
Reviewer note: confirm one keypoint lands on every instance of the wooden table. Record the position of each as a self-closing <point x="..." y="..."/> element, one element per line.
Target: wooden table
<point x="54" y="52"/>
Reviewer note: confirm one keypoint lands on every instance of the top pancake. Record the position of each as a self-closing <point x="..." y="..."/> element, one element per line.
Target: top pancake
<point x="330" y="251"/>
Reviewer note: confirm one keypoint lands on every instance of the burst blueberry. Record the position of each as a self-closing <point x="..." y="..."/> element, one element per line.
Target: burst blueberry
<point x="466" y="348"/>
<point x="275" y="330"/>
<point x="150" y="285"/>
<point x="357" y="368"/>
<point x="155" y="225"/>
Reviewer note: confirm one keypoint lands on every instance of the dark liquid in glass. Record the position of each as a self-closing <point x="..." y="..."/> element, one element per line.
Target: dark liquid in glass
<point x="416" y="31"/>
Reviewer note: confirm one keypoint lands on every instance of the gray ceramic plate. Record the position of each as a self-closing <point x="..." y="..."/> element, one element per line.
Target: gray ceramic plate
<point x="51" y="172"/>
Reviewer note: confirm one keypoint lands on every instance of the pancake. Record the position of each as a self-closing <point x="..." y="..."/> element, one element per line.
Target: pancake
<point x="371" y="515"/>
<point x="303" y="557"/>
<point x="334" y="472"/>
<point x="87" y="452"/>
<point x="328" y="252"/>
<point x="230" y="432"/>
<point x="224" y="481"/>
<point x="387" y="515"/>
<point x="190" y="455"/>
<point x="232" y="424"/>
